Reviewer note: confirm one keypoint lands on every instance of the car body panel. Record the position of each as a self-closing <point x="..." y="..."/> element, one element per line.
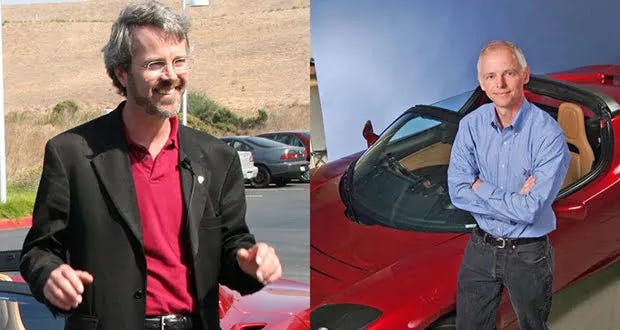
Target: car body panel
<point x="334" y="169"/>
<point x="410" y="276"/>
<point x="277" y="304"/>
<point x="288" y="170"/>
<point x="411" y="281"/>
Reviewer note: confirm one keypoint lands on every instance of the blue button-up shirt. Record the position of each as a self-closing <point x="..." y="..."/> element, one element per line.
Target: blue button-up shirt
<point x="503" y="159"/>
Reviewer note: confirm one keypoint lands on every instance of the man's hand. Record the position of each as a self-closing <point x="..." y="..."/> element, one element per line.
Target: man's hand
<point x="261" y="262"/>
<point x="65" y="285"/>
<point x="476" y="184"/>
<point x="528" y="185"/>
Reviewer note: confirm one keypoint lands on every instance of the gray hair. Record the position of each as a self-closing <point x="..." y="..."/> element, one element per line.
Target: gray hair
<point x="118" y="51"/>
<point x="517" y="52"/>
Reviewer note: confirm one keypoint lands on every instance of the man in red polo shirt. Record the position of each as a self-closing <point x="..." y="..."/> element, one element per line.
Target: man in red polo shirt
<point x="137" y="219"/>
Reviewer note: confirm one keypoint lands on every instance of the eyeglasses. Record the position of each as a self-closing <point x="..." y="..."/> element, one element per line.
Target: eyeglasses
<point x="179" y="66"/>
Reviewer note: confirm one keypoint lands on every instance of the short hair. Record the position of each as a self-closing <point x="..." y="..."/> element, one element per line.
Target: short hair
<point x="517" y="52"/>
<point x="118" y="50"/>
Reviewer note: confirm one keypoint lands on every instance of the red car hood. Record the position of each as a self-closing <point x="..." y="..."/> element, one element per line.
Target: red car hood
<point x="334" y="237"/>
<point x="411" y="292"/>
<point x="281" y="305"/>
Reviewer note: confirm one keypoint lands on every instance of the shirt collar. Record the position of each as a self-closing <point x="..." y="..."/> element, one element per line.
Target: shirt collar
<point x="174" y="132"/>
<point x="517" y="124"/>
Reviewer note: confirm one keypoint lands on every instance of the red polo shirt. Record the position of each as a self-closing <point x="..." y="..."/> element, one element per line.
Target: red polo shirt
<point x="158" y="189"/>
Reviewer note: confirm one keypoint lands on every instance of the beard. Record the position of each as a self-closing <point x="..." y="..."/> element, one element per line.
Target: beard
<point x="153" y="105"/>
<point x="158" y="108"/>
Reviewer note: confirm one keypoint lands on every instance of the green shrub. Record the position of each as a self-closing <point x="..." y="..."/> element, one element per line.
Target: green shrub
<point x="220" y="117"/>
<point x="254" y="122"/>
<point x="196" y="123"/>
<point x="64" y="111"/>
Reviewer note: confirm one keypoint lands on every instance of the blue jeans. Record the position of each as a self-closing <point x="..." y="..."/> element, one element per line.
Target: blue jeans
<point x="525" y="270"/>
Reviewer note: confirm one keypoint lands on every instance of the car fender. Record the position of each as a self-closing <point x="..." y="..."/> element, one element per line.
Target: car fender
<point x="277" y="303"/>
<point x="402" y="292"/>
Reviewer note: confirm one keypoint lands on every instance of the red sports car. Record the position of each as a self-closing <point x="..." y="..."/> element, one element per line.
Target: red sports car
<point x="386" y="242"/>
<point x="281" y="305"/>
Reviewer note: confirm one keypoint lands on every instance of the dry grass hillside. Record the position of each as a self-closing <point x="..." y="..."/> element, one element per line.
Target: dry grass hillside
<point x="248" y="55"/>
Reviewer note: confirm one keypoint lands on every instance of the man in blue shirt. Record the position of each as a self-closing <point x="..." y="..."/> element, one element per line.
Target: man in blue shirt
<point x="508" y="162"/>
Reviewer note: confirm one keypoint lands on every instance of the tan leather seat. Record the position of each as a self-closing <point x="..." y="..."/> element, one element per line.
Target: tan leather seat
<point x="570" y="118"/>
<point x="10" y="319"/>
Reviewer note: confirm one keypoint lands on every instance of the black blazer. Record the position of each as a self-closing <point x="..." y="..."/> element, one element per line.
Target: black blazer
<point x="86" y="215"/>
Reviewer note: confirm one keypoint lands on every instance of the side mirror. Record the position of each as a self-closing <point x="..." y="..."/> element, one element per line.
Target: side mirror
<point x="369" y="134"/>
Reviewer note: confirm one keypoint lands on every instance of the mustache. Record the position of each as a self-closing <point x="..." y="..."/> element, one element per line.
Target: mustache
<point x="170" y="83"/>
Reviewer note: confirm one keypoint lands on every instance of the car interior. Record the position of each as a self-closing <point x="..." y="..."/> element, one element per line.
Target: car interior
<point x="239" y="146"/>
<point x="571" y="119"/>
<point x="582" y="134"/>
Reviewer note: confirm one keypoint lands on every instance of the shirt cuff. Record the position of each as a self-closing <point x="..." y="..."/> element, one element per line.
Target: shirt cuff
<point x="485" y="190"/>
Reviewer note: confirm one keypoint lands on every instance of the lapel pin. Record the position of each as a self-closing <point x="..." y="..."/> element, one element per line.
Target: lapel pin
<point x="201" y="179"/>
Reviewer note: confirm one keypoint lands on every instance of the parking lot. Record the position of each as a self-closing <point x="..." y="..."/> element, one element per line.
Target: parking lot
<point x="280" y="217"/>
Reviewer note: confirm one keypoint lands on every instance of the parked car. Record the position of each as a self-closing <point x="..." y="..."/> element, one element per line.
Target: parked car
<point x="247" y="165"/>
<point x="276" y="162"/>
<point x="386" y="241"/>
<point x="293" y="138"/>
<point x="280" y="305"/>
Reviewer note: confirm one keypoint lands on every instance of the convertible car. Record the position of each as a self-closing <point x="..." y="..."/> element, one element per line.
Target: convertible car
<point x="281" y="305"/>
<point x="386" y="242"/>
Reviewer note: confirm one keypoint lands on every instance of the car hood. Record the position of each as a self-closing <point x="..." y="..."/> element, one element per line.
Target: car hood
<point x="284" y="302"/>
<point x="344" y="252"/>
<point x="334" y="169"/>
<point x="411" y="292"/>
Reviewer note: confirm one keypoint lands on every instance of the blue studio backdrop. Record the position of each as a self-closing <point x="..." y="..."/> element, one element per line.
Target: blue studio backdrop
<point x="374" y="59"/>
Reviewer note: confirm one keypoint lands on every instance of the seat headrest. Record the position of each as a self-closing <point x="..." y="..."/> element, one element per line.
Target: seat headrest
<point x="570" y="118"/>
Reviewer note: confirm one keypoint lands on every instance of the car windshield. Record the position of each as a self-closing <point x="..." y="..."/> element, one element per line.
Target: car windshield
<point x="454" y="103"/>
<point x="401" y="181"/>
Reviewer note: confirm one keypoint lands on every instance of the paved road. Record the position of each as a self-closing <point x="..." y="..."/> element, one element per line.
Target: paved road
<point x="281" y="217"/>
<point x="278" y="216"/>
<point x="12" y="239"/>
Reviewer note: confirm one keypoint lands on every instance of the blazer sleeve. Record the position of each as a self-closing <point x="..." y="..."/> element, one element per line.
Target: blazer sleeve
<point x="43" y="248"/>
<point x="235" y="232"/>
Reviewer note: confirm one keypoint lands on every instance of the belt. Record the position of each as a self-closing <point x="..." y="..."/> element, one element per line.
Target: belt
<point x="501" y="242"/>
<point x="172" y="321"/>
